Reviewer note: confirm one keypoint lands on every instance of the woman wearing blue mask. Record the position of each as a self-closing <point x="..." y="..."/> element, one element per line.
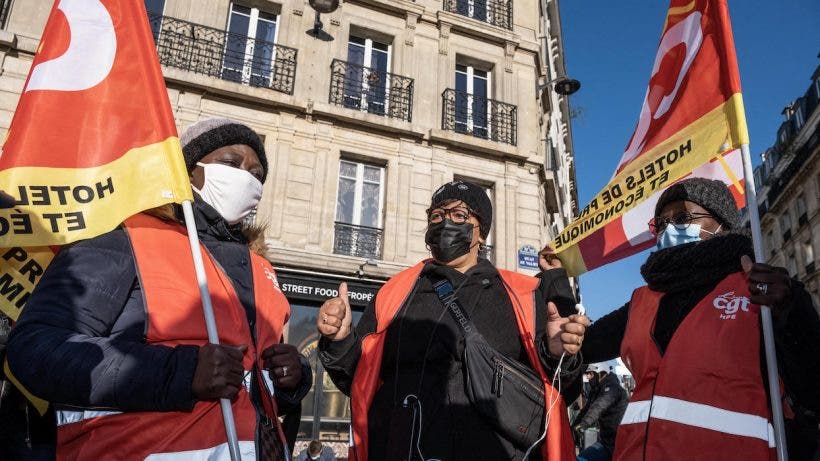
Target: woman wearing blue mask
<point x="691" y="337"/>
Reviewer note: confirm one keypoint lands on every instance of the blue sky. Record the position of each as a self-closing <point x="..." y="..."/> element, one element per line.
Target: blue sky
<point x="610" y="47"/>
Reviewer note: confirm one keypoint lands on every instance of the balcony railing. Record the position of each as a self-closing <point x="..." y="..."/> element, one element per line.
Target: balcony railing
<point x="371" y="90"/>
<point x="495" y="12"/>
<point x="361" y="241"/>
<point x="810" y="268"/>
<point x="480" y="117"/>
<point x="228" y="56"/>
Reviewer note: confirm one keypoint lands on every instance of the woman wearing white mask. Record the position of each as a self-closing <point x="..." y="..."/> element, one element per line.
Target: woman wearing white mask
<point x="114" y="332"/>
<point x="691" y="338"/>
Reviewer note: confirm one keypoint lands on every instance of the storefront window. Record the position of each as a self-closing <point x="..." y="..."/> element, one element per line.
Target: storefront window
<point x="331" y="423"/>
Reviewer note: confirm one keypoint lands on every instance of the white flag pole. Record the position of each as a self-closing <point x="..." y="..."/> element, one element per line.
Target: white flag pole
<point x="210" y="322"/>
<point x="765" y="311"/>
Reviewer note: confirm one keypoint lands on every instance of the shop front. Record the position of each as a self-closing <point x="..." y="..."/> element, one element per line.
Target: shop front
<point x="325" y="410"/>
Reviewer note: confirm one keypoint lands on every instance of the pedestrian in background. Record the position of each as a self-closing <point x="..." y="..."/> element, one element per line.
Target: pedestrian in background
<point x="604" y="410"/>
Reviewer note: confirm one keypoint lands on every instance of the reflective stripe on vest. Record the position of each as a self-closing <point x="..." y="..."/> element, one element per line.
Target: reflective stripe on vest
<point x="699" y="415"/>
<point x="520" y="289"/>
<point x="247" y="452"/>
<point x="71" y="416"/>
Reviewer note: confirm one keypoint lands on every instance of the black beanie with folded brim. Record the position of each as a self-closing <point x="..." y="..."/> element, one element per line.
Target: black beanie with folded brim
<point x="712" y="194"/>
<point x="206" y="136"/>
<point x="471" y="194"/>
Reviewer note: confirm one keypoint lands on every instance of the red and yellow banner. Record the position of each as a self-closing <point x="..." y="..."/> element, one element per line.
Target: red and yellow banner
<point x="92" y="141"/>
<point x="692" y="122"/>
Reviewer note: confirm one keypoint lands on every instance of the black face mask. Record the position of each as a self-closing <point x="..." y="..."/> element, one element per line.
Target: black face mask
<point x="448" y="240"/>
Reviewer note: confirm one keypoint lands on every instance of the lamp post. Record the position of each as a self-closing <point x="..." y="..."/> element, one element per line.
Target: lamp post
<point x="562" y="85"/>
<point x="321" y="6"/>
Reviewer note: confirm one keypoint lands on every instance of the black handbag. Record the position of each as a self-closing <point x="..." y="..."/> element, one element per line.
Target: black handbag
<point x="509" y="394"/>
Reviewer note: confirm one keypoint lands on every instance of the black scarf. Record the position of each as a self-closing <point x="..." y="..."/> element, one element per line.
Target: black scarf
<point x="697" y="264"/>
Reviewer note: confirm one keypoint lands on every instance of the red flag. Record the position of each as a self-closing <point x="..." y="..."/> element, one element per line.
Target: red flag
<point x="92" y="141"/>
<point x="691" y="123"/>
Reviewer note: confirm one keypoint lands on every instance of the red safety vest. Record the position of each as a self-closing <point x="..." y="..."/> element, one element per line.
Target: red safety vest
<point x="174" y="316"/>
<point x="390" y="298"/>
<point x="703" y="398"/>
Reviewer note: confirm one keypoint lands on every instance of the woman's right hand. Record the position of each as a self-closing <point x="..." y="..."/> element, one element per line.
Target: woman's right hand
<point x="219" y="371"/>
<point x="335" y="316"/>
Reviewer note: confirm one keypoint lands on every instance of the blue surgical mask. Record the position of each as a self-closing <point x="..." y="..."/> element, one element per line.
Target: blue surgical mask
<point x="673" y="236"/>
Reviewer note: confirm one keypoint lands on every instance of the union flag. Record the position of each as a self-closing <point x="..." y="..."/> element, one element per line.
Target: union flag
<point x="92" y="142"/>
<point x="692" y="123"/>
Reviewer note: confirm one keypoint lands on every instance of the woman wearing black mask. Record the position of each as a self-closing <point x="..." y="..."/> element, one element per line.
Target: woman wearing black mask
<point x="402" y="364"/>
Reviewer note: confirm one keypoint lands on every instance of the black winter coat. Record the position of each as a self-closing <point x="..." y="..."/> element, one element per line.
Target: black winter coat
<point x="80" y="340"/>
<point x="423" y="356"/>
<point x="606" y="407"/>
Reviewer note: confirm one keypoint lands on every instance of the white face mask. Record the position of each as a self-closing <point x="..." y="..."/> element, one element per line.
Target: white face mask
<point x="232" y="192"/>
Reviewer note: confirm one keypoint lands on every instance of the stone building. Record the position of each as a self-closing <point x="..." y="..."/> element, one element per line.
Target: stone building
<point x="788" y="185"/>
<point x="362" y="122"/>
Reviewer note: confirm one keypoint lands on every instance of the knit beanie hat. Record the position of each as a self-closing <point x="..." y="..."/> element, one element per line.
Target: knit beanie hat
<point x="206" y="136"/>
<point x="473" y="195"/>
<point x="713" y="195"/>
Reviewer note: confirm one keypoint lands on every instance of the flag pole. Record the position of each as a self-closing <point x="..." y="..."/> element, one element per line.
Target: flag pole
<point x="210" y="322"/>
<point x="765" y="311"/>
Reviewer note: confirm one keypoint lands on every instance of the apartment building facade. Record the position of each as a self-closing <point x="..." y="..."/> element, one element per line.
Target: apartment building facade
<point x="361" y="124"/>
<point x="788" y="184"/>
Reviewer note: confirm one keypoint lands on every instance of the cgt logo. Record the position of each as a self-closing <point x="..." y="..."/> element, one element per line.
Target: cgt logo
<point x="270" y="275"/>
<point x="731" y="305"/>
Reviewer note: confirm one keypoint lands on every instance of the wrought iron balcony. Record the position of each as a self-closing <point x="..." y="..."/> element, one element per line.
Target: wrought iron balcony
<point x="371" y="90"/>
<point x="480" y="117"/>
<point x="228" y="56"/>
<point x="362" y="241"/>
<point x="495" y="12"/>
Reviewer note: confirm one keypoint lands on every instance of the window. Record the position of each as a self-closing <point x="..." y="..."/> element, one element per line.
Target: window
<point x="249" y="46"/>
<point x="367" y="75"/>
<point x="325" y="414"/>
<point x="489" y="250"/>
<point x="808" y="256"/>
<point x="359" y="210"/>
<point x="771" y="243"/>
<point x="786" y="226"/>
<point x="476" y="9"/>
<point x="802" y="216"/>
<point x="472" y="93"/>
<point x="791" y="264"/>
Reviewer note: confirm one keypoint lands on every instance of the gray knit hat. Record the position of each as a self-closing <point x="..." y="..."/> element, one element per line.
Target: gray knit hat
<point x="473" y="195"/>
<point x="711" y="194"/>
<point x="206" y="136"/>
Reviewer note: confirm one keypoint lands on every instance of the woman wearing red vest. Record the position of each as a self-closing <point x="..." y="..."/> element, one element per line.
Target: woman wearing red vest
<point x="402" y="364"/>
<point x="115" y="337"/>
<point x="692" y="340"/>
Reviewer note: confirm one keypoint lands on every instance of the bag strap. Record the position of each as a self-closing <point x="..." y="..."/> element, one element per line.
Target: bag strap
<point x="445" y="292"/>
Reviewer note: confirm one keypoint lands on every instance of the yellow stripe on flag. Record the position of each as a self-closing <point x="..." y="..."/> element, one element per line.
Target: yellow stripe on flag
<point x="61" y="205"/>
<point x="20" y="269"/>
<point x="656" y="168"/>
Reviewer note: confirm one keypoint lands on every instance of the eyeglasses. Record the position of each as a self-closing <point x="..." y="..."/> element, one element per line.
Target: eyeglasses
<point x="680" y="220"/>
<point x="458" y="215"/>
